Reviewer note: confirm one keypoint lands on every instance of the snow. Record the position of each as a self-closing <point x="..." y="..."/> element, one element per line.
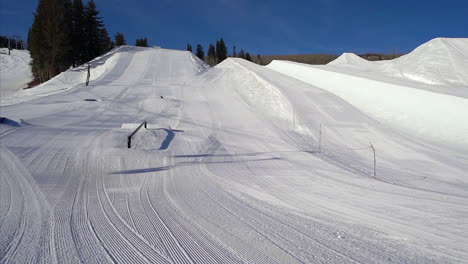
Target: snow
<point x="15" y="71"/>
<point x="410" y="108"/>
<point x="230" y="170"/>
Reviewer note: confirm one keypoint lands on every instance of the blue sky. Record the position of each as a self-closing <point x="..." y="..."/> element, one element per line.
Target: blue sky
<point x="271" y="26"/>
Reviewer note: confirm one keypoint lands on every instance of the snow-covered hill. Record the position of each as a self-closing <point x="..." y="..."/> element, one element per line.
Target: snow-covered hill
<point x="240" y="164"/>
<point x="441" y="61"/>
<point x="432" y="112"/>
<point x="15" y="71"/>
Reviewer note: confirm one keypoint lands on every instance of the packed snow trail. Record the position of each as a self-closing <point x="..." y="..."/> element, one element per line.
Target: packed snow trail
<point x="228" y="172"/>
<point x="15" y="71"/>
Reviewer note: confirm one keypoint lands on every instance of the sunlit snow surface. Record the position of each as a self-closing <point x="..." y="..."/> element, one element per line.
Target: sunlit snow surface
<point x="15" y="71"/>
<point x="229" y="169"/>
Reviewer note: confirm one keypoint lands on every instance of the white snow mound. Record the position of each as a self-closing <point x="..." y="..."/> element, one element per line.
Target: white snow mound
<point x="441" y="61"/>
<point x="350" y="59"/>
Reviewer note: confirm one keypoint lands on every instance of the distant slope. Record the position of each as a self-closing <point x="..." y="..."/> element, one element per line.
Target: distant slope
<point x="100" y="66"/>
<point x="15" y="71"/>
<point x="441" y="61"/>
<point x="350" y="60"/>
<point x="412" y="108"/>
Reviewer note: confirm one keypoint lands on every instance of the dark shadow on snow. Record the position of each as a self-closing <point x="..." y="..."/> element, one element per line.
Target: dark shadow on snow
<point x="167" y="141"/>
<point x="147" y="170"/>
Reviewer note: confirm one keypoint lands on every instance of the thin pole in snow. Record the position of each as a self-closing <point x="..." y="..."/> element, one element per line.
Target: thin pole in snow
<point x="375" y="162"/>
<point x="89" y="74"/>
<point x="294" y="118"/>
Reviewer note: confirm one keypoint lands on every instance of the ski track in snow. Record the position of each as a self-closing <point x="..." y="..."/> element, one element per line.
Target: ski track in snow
<point x="229" y="172"/>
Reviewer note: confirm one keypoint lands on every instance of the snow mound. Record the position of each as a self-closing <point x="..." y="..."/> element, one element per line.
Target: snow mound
<point x="257" y="92"/>
<point x="350" y="59"/>
<point x="427" y="114"/>
<point x="441" y="61"/>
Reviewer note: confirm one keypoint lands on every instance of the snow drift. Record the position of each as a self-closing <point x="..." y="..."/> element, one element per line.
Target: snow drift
<point x="402" y="105"/>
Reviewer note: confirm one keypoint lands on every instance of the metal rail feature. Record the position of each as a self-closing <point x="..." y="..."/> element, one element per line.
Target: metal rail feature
<point x="129" y="138"/>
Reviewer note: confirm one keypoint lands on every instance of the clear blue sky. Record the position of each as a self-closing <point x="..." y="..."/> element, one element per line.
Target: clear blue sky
<point x="271" y="26"/>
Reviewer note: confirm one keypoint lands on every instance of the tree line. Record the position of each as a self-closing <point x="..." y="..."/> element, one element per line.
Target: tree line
<point x="218" y="53"/>
<point x="14" y="42"/>
<point x="64" y="34"/>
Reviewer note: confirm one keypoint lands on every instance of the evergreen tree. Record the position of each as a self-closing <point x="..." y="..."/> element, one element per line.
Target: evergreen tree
<point x="143" y="42"/>
<point x="221" y="50"/>
<point x="189" y="47"/>
<point x="97" y="40"/>
<point x="259" y="59"/>
<point x="200" y="52"/>
<point x="234" y="53"/>
<point x="37" y="44"/>
<point x="242" y="54"/>
<point x="50" y="39"/>
<point x="119" y="39"/>
<point x="247" y="57"/>
<point x="65" y="33"/>
<point x="78" y="32"/>
<point x="211" y="59"/>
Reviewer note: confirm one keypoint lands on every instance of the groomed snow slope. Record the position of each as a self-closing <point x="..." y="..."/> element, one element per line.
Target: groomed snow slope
<point x="408" y="107"/>
<point x="229" y="172"/>
<point x="441" y="61"/>
<point x="15" y="71"/>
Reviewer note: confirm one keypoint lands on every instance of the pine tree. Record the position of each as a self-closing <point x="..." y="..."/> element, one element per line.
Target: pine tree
<point x="78" y="32"/>
<point x="211" y="60"/>
<point x="143" y="42"/>
<point x="200" y="52"/>
<point x="189" y="47"/>
<point x="119" y="39"/>
<point x="221" y="50"/>
<point x="97" y="39"/>
<point x="37" y="44"/>
<point x="50" y="39"/>
<point x="259" y="59"/>
<point x="234" y="53"/>
<point x="242" y="54"/>
<point x="247" y="57"/>
<point x="64" y="34"/>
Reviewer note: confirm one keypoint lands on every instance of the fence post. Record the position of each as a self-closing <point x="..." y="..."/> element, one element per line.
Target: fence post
<point x="375" y="162"/>
<point x="89" y="74"/>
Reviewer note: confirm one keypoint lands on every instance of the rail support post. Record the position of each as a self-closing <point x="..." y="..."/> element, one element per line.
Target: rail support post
<point x="129" y="138"/>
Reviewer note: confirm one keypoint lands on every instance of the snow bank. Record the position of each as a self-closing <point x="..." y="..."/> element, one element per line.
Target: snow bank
<point x="432" y="115"/>
<point x="440" y="61"/>
<point x="15" y="71"/>
<point x="256" y="91"/>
